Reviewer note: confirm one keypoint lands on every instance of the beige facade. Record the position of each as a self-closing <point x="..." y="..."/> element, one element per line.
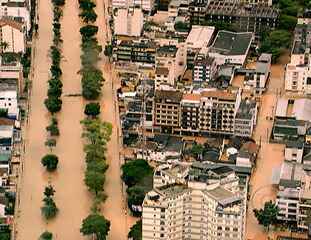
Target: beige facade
<point x="12" y="34"/>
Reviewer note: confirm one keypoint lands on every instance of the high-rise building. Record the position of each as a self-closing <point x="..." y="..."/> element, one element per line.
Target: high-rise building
<point x="211" y="205"/>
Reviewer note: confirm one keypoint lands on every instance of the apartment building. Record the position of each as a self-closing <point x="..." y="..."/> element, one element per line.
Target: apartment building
<point x="209" y="112"/>
<point x="294" y="195"/>
<point x="145" y="5"/>
<point x="203" y="113"/>
<point x="209" y="206"/>
<point x="204" y="69"/>
<point x="298" y="71"/>
<point x="173" y="58"/>
<point x="246" y="118"/>
<point x="141" y="51"/>
<point x="258" y="78"/>
<point x="294" y="150"/>
<point x="167" y="110"/>
<point x="259" y="2"/>
<point x="243" y="17"/>
<point x="128" y="22"/>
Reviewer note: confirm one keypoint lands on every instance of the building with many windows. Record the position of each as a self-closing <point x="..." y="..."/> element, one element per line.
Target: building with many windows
<point x="245" y="118"/>
<point x="211" y="205"/>
<point x="294" y="195"/>
<point x="204" y="69"/>
<point x="298" y="71"/>
<point x="167" y="110"/>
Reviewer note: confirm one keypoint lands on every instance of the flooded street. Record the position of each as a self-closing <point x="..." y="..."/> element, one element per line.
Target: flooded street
<point x="270" y="156"/>
<point x="115" y="207"/>
<point x="72" y="197"/>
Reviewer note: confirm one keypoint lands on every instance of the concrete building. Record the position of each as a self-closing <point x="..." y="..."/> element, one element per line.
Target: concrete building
<point x="209" y="112"/>
<point x="173" y="58"/>
<point x="245" y="118"/>
<point x="16" y="11"/>
<point x="298" y="71"/>
<point x="231" y="47"/>
<point x="294" y="195"/>
<point x="139" y="52"/>
<point x="241" y="16"/>
<point x="204" y="70"/>
<point x="12" y="33"/>
<point x="145" y="5"/>
<point x="167" y="110"/>
<point x="258" y="78"/>
<point x="163" y="76"/>
<point x="128" y="22"/>
<point x="209" y="206"/>
<point x="259" y="2"/>
<point x="294" y="150"/>
<point x="199" y="38"/>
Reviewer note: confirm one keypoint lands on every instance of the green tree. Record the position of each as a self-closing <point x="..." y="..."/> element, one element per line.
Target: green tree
<point x="53" y="104"/>
<point x="92" y="109"/>
<point x="95" y="181"/>
<point x="50" y="161"/>
<point x="86" y="5"/>
<point x="181" y="26"/>
<point x="49" y="209"/>
<point x="58" y="2"/>
<point x="97" y="225"/>
<point x="88" y="31"/>
<point x="135" y="232"/>
<point x="92" y="82"/>
<point x="50" y="143"/>
<point x="135" y="196"/>
<point x="134" y="171"/>
<point x="88" y="16"/>
<point x="268" y="215"/>
<point x="108" y="50"/>
<point x="287" y="22"/>
<point x="197" y="150"/>
<point x="46" y="236"/>
<point x="53" y="127"/>
<point x="49" y="191"/>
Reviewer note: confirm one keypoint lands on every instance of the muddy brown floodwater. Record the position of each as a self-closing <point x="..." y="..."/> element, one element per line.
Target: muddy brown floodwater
<point x="270" y="156"/>
<point x="72" y="197"/>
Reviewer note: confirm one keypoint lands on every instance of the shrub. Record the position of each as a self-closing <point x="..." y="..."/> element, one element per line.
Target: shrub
<point x="50" y="161"/>
<point x="92" y="109"/>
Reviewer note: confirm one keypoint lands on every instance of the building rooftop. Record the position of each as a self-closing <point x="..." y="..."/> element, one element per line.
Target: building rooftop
<point x="246" y="109"/>
<point x="162" y="71"/>
<point x="231" y="43"/>
<point x="200" y="36"/>
<point x="291" y="174"/>
<point x="168" y="95"/>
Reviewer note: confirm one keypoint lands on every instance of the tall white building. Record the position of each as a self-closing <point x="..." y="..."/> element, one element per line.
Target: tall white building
<point x="298" y="71"/>
<point x="128" y="22"/>
<point x="209" y="206"/>
<point x="294" y="195"/>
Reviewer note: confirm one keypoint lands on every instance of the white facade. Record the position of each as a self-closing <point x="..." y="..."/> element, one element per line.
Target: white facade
<point x="298" y="78"/>
<point x="294" y="153"/>
<point x="8" y="100"/>
<point x="195" y="211"/>
<point x="12" y="34"/>
<point x="164" y="76"/>
<point x="129" y="22"/>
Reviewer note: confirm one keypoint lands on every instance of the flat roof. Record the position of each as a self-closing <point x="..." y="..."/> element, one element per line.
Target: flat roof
<point x="200" y="36"/>
<point x="232" y="43"/>
<point x="281" y="107"/>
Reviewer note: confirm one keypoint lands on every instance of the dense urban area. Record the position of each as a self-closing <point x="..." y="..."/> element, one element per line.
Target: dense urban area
<point x="155" y="119"/>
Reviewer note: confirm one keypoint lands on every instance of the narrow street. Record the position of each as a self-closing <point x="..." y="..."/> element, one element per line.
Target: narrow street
<point x="115" y="206"/>
<point x="72" y="197"/>
<point x="270" y="156"/>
